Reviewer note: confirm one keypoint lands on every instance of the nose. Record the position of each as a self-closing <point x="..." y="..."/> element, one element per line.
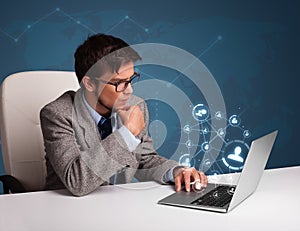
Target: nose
<point x="128" y="90"/>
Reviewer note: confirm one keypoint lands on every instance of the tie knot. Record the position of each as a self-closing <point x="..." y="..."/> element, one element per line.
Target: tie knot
<point x="104" y="127"/>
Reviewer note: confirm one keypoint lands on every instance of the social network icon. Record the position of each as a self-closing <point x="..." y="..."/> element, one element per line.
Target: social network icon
<point x="201" y="112"/>
<point x="234" y="121"/>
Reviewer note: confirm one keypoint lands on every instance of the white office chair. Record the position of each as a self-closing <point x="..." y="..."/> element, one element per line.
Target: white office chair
<point x="22" y="95"/>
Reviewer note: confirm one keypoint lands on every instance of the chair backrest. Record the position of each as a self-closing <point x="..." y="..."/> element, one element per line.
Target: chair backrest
<point x="22" y="95"/>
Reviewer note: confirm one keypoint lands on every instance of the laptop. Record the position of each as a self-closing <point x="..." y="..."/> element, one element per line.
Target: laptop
<point x="224" y="197"/>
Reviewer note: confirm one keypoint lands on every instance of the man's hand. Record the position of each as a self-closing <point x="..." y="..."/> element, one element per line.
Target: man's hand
<point x="188" y="175"/>
<point x="133" y="118"/>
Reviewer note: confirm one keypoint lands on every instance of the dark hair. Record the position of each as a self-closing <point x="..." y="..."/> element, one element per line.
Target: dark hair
<point x="98" y="47"/>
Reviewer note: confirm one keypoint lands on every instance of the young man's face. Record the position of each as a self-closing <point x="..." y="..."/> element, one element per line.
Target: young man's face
<point x="107" y="94"/>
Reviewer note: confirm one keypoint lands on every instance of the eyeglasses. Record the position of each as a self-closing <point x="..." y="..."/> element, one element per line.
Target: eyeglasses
<point x="121" y="85"/>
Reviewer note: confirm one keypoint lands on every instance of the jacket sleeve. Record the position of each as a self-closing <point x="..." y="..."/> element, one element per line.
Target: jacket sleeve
<point x="151" y="165"/>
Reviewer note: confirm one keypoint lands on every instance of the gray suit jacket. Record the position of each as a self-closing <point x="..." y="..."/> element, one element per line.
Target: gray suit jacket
<point x="77" y="158"/>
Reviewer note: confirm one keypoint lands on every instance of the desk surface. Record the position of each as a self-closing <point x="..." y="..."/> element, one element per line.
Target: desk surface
<point x="274" y="206"/>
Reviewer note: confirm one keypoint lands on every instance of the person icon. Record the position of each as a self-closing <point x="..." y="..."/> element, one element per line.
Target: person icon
<point x="246" y="133"/>
<point x="219" y="115"/>
<point x="205" y="146"/>
<point x="205" y="130"/>
<point x="187" y="128"/>
<point x="221" y="132"/>
<point x="231" y="190"/>
<point x="201" y="113"/>
<point x="186" y="162"/>
<point x="234" y="120"/>
<point x="236" y="156"/>
<point x="188" y="144"/>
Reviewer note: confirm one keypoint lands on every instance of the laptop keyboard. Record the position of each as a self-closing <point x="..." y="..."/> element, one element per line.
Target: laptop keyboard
<point x="218" y="197"/>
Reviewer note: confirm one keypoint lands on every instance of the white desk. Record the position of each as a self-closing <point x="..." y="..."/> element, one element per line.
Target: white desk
<point x="274" y="206"/>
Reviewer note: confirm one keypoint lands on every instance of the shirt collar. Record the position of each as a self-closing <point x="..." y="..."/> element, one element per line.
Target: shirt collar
<point x="95" y="115"/>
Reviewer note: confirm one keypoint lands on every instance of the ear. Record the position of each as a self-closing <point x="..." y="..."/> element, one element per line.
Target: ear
<point x="89" y="84"/>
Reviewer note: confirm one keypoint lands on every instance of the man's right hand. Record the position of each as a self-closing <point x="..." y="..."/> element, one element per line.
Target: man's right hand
<point x="133" y="118"/>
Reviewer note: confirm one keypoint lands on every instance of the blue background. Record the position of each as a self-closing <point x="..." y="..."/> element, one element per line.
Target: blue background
<point x="250" y="47"/>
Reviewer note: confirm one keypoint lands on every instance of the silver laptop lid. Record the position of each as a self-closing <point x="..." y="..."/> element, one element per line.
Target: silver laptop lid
<point x="253" y="168"/>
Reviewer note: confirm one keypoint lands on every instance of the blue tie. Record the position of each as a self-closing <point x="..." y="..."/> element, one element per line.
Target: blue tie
<point x="104" y="127"/>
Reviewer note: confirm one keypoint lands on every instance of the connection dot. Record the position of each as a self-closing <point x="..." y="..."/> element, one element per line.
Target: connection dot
<point x="57" y="9"/>
<point x="78" y="22"/>
<point x="146" y="30"/>
<point x="16" y="40"/>
<point x="126" y="17"/>
<point x="28" y="26"/>
<point x="220" y="37"/>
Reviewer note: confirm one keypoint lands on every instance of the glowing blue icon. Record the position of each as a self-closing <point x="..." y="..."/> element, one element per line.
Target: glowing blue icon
<point x="187" y="129"/>
<point x="236" y="155"/>
<point x="207" y="162"/>
<point x="205" y="146"/>
<point x="234" y="121"/>
<point x="231" y="190"/>
<point x="205" y="130"/>
<point x="219" y="115"/>
<point x="188" y="144"/>
<point x="246" y="133"/>
<point x="221" y="132"/>
<point x="200" y="112"/>
<point x="186" y="160"/>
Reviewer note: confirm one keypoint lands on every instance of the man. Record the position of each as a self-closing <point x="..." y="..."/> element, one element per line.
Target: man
<point x="98" y="135"/>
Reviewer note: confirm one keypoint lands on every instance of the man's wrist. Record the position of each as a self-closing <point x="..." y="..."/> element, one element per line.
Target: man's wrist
<point x="131" y="141"/>
<point x="177" y="170"/>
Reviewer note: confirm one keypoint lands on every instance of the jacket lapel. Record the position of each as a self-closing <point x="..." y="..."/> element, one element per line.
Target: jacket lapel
<point x="85" y="120"/>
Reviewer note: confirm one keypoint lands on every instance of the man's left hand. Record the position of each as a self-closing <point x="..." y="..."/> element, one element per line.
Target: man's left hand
<point x="186" y="176"/>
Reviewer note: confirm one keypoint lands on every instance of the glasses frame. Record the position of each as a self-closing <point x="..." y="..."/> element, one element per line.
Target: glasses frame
<point x="127" y="82"/>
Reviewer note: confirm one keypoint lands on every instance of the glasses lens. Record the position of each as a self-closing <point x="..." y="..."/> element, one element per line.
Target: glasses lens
<point x="134" y="79"/>
<point x="121" y="86"/>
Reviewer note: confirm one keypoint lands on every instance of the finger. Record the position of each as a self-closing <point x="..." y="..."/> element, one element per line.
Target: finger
<point x="178" y="180"/>
<point x="196" y="175"/>
<point x="121" y="109"/>
<point x="196" y="178"/>
<point x="187" y="178"/>
<point x="203" y="179"/>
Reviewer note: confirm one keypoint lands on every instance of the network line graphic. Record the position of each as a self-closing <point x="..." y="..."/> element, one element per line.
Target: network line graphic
<point x="233" y="153"/>
<point x="76" y="21"/>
